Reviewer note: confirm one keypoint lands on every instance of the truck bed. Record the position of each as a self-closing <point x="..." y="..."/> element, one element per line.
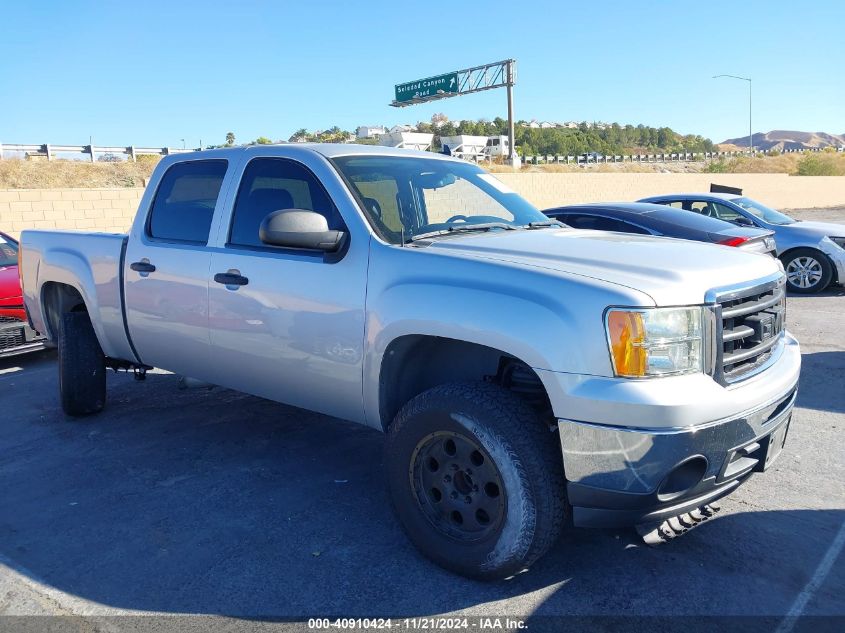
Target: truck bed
<point x="90" y="263"/>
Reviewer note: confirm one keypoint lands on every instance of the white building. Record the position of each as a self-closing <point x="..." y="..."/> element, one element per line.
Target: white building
<point x="402" y="128"/>
<point x="371" y="131"/>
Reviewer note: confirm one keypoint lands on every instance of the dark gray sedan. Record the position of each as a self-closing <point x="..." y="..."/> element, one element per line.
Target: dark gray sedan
<point x="656" y="219"/>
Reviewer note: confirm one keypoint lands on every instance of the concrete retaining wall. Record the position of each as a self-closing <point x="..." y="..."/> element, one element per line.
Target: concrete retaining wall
<point x="107" y="210"/>
<point x="112" y="210"/>
<point x="776" y="190"/>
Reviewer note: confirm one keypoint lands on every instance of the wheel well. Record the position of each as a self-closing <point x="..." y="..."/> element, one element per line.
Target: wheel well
<point x="58" y="299"/>
<point x="413" y="364"/>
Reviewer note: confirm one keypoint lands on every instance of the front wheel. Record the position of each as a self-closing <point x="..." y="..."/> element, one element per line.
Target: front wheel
<point x="82" y="366"/>
<point x="476" y="479"/>
<point x="807" y="270"/>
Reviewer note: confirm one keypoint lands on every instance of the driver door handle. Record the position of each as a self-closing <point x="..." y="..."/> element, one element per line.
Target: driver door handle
<point x="142" y="267"/>
<point x="231" y="279"/>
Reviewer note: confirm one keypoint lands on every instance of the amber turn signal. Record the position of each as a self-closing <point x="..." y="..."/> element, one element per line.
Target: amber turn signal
<point x="627" y="339"/>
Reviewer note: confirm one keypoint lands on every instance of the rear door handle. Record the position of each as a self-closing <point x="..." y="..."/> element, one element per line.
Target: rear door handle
<point x="142" y="267"/>
<point x="231" y="279"/>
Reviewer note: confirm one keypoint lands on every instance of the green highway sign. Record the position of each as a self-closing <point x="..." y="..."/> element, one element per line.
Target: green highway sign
<point x="430" y="87"/>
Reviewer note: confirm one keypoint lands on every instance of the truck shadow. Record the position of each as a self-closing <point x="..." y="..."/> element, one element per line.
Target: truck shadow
<point x="822" y="377"/>
<point x="213" y="502"/>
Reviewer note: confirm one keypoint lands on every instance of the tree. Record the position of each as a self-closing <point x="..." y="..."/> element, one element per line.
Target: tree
<point x="447" y="129"/>
<point x="230" y="138"/>
<point x="263" y="140"/>
<point x="300" y="135"/>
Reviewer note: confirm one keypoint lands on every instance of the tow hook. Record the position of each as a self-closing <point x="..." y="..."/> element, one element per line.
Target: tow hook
<point x="677" y="525"/>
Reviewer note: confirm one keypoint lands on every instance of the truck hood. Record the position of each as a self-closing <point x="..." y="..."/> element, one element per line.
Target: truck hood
<point x="10" y="286"/>
<point x="670" y="271"/>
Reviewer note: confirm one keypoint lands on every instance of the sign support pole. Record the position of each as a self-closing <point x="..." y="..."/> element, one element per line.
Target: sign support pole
<point x="512" y="158"/>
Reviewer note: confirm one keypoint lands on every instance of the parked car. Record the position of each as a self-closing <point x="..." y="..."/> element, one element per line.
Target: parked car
<point x="653" y="219"/>
<point x="813" y="253"/>
<point x="527" y="376"/>
<point x="16" y="336"/>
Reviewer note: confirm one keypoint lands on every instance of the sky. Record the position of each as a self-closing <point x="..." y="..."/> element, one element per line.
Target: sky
<point x="154" y="73"/>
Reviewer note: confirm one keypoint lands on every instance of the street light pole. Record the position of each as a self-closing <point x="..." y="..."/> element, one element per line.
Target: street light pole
<point x="750" y="133"/>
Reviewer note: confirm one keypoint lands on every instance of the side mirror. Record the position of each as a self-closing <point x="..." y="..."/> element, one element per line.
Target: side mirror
<point x="743" y="221"/>
<point x="297" y="228"/>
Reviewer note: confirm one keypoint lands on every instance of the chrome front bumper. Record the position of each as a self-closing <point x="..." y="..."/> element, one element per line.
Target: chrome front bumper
<point x="616" y="475"/>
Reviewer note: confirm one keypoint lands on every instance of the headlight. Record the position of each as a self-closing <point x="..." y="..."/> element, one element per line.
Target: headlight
<point x="839" y="241"/>
<point x="647" y="342"/>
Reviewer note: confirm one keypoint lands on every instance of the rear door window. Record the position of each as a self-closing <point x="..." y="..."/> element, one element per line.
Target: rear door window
<point x="185" y="200"/>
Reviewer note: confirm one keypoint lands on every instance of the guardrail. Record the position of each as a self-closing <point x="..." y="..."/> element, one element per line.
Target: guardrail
<point x="593" y="158"/>
<point x="48" y="151"/>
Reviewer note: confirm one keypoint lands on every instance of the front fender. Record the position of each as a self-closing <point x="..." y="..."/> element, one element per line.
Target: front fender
<point x="546" y="319"/>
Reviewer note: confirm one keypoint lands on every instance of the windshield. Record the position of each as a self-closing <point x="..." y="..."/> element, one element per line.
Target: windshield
<point x="8" y="252"/>
<point x="407" y="196"/>
<point x="762" y="211"/>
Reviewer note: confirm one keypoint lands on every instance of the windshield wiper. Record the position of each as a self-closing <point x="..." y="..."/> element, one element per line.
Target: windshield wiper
<point x="462" y="228"/>
<point x="542" y="224"/>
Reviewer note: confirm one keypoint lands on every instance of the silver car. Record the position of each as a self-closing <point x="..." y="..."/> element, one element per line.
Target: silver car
<point x="813" y="253"/>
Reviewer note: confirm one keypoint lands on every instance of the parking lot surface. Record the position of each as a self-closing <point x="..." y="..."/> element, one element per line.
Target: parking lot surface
<point x="214" y="502"/>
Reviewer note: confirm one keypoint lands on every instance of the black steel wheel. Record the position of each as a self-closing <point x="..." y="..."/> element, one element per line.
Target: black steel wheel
<point x="476" y="479"/>
<point x="458" y="486"/>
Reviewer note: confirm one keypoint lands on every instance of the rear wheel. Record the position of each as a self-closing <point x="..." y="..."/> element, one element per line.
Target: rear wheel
<point x="476" y="479"/>
<point x="807" y="270"/>
<point x="82" y="366"/>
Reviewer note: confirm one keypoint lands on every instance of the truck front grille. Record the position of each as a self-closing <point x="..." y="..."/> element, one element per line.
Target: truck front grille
<point x="8" y="319"/>
<point x="749" y="325"/>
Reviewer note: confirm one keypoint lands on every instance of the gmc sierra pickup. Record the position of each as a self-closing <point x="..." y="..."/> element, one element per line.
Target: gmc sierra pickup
<point x="528" y="376"/>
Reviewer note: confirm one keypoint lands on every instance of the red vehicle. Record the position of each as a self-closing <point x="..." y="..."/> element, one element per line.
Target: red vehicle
<point x="16" y="336"/>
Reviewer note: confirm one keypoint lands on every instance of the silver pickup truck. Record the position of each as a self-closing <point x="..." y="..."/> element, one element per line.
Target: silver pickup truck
<point x="528" y="376"/>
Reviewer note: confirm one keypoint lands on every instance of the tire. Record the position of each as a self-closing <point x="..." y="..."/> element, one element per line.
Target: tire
<point x="509" y="447"/>
<point x="82" y="366"/>
<point x="810" y="270"/>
